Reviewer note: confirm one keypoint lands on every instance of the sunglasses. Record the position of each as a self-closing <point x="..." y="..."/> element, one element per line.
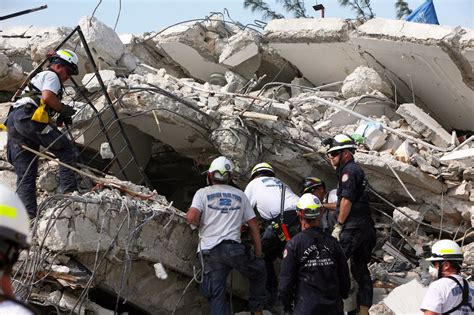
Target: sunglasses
<point x="69" y="70"/>
<point x="334" y="153"/>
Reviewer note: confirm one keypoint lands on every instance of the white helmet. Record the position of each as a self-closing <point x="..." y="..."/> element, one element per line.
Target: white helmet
<point x="261" y="167"/>
<point x="310" y="205"/>
<point x="221" y="169"/>
<point x="445" y="250"/>
<point x="14" y="221"/>
<point x="66" y="58"/>
<point x="339" y="143"/>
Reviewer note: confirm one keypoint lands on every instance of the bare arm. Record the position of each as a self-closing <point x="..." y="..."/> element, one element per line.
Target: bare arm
<point x="344" y="210"/>
<point x="255" y="234"/>
<point x="193" y="216"/>
<point x="330" y="206"/>
<point x="430" y="313"/>
<point x="52" y="100"/>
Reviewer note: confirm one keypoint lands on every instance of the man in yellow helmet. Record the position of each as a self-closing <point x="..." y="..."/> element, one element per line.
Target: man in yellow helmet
<point x="275" y="203"/>
<point x="14" y="237"/>
<point x="314" y="276"/>
<point x="29" y="124"/>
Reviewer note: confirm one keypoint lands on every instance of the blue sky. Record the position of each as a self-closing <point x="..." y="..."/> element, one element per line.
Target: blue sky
<point x="139" y="16"/>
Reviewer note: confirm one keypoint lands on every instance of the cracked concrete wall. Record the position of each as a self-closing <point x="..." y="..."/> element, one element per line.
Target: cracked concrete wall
<point x="420" y="57"/>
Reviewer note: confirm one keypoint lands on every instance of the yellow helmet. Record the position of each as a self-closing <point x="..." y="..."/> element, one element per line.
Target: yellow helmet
<point x="445" y="250"/>
<point x="310" y="205"/>
<point x="261" y="167"/>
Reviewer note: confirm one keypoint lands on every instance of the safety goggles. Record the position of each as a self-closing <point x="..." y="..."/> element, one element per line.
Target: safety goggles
<point x="333" y="154"/>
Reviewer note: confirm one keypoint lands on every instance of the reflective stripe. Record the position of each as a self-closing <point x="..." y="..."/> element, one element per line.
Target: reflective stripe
<point x="7" y="211"/>
<point x="447" y="251"/>
<point x="65" y="53"/>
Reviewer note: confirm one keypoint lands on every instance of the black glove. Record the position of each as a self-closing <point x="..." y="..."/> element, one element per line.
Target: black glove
<point x="67" y="111"/>
<point x="63" y="120"/>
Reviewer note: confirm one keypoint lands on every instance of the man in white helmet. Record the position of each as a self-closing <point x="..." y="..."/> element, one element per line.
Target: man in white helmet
<point x="29" y="123"/>
<point x="354" y="227"/>
<point x="14" y="236"/>
<point x="219" y="210"/>
<point x="275" y="202"/>
<point x="314" y="276"/>
<point x="450" y="293"/>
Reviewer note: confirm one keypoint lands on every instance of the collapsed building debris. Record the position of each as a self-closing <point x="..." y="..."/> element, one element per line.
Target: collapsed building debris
<point x="194" y="90"/>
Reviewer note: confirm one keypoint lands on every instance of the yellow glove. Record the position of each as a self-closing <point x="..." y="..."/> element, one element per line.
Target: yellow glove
<point x="336" y="231"/>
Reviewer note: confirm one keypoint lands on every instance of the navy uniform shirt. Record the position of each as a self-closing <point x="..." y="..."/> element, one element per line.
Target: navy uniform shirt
<point x="352" y="184"/>
<point x="314" y="274"/>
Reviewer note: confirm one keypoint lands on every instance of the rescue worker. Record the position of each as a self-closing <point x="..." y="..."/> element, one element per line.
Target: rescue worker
<point x="29" y="123"/>
<point x="317" y="187"/>
<point x="271" y="197"/>
<point x="220" y="210"/>
<point x="314" y="274"/>
<point x="449" y="293"/>
<point x="354" y="227"/>
<point x="14" y="236"/>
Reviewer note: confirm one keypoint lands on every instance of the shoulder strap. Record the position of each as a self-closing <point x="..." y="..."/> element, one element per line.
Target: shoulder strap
<point x="465" y="295"/>
<point x="282" y="201"/>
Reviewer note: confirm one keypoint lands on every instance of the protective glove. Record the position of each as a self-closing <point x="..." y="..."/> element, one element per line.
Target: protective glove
<point x="336" y="231"/>
<point x="63" y="120"/>
<point x="67" y="111"/>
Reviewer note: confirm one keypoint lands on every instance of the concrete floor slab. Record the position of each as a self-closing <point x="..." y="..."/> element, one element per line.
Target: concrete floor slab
<point x="191" y="60"/>
<point x="414" y="55"/>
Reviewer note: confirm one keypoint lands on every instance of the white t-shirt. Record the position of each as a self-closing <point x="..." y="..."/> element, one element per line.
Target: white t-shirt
<point x="45" y="80"/>
<point x="444" y="294"/>
<point x="223" y="211"/>
<point x="265" y="193"/>
<point x="12" y="308"/>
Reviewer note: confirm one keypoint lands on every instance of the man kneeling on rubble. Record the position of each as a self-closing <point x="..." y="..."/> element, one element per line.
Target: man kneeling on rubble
<point x="29" y="125"/>
<point x="220" y="210"/>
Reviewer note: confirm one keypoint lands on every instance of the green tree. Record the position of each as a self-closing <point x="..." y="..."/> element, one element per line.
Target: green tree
<point x="402" y="9"/>
<point x="362" y="8"/>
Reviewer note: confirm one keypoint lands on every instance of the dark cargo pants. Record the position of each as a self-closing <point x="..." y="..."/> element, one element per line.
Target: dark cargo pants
<point x="358" y="243"/>
<point x="23" y="131"/>
<point x="218" y="262"/>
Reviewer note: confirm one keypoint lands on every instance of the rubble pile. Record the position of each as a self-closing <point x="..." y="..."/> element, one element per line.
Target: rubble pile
<point x="403" y="90"/>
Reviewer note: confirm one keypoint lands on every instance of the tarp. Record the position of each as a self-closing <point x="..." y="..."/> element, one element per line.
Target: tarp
<point x="425" y="13"/>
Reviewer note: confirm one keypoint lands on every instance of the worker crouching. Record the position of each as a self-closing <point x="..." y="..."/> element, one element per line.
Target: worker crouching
<point x="29" y="124"/>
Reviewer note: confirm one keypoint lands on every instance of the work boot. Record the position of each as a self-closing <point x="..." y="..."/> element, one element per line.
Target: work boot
<point x="364" y="310"/>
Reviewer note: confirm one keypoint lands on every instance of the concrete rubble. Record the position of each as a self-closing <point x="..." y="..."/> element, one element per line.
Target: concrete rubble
<point x="403" y="90"/>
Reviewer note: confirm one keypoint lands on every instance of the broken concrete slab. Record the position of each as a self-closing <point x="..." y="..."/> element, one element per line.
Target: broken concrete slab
<point x="104" y="43"/>
<point x="407" y="298"/>
<point x="425" y="125"/>
<point x="319" y="48"/>
<point x="186" y="44"/>
<point x="242" y="47"/>
<point x="418" y="58"/>
<point x="464" y="156"/>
